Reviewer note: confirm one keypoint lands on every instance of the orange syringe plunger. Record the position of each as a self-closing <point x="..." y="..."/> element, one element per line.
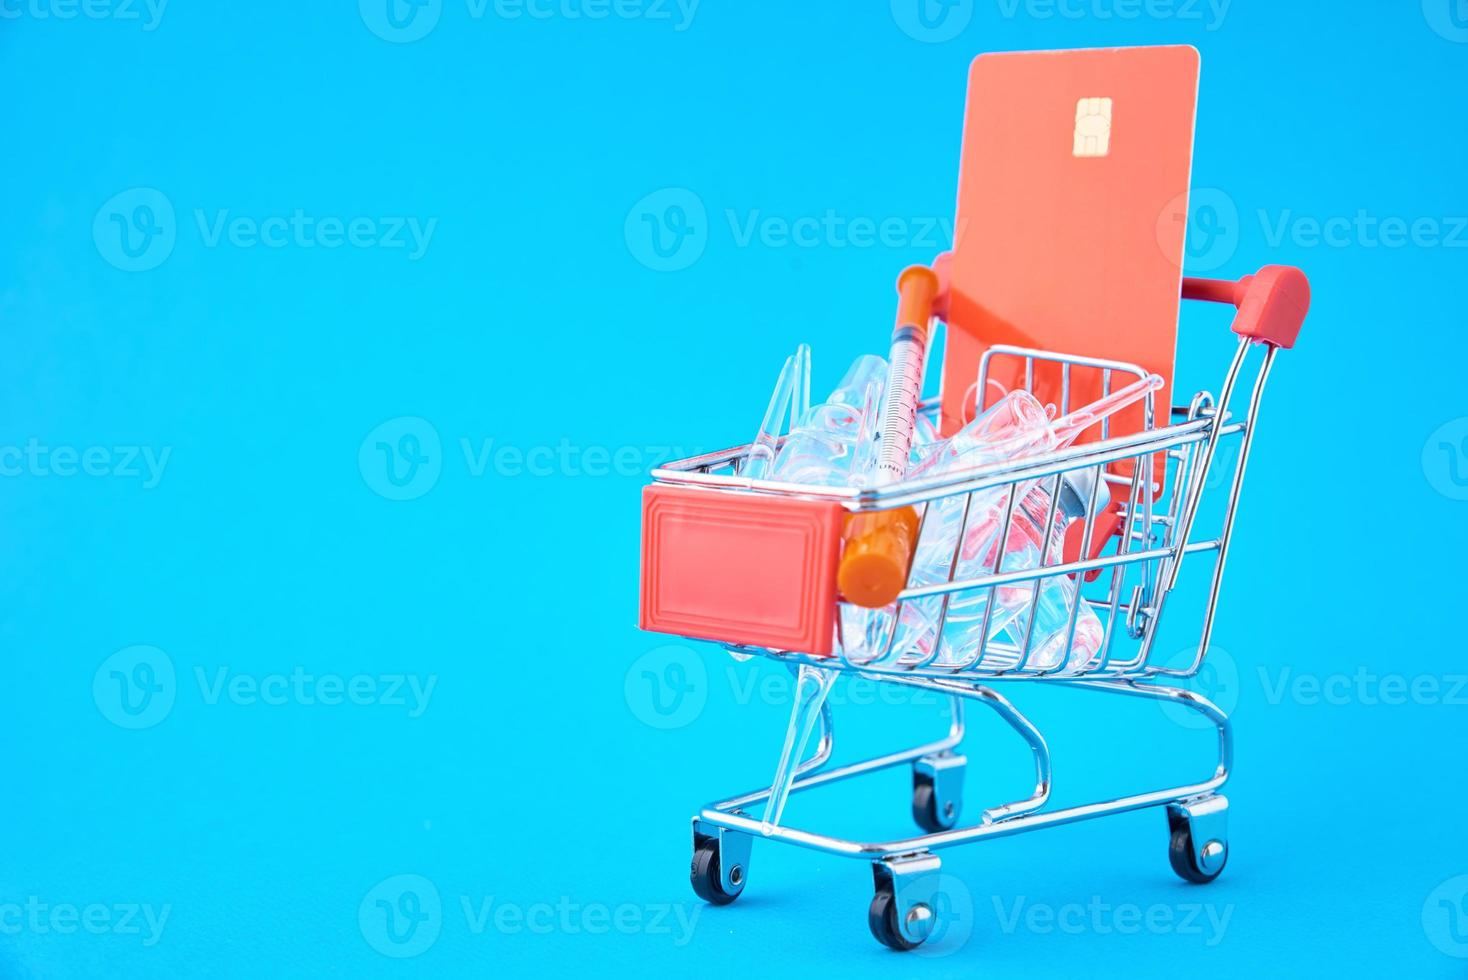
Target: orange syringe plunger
<point x="880" y="545"/>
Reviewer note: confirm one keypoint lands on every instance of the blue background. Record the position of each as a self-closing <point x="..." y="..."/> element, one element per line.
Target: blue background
<point x="541" y="771"/>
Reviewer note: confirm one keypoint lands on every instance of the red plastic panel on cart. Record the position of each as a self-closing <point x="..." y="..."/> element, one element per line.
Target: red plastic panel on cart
<point x="739" y="568"/>
<point x="1072" y="212"/>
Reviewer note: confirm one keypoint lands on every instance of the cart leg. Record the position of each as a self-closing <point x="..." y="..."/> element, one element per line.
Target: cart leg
<point x="1199" y="846"/>
<point x="720" y="862"/>
<point x="1022" y="726"/>
<point x="904" y="910"/>
<point x="937" y="790"/>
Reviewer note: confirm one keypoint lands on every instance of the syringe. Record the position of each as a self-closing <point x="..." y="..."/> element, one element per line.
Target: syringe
<point x="879" y="545"/>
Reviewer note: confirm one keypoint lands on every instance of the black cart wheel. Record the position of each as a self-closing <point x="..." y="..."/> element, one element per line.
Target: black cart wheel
<point x="1183" y="857"/>
<point x="882" y="920"/>
<point x="707" y="877"/>
<point x="925" y="806"/>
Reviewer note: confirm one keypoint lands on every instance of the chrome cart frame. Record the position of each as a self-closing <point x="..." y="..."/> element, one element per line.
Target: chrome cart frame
<point x="1133" y="580"/>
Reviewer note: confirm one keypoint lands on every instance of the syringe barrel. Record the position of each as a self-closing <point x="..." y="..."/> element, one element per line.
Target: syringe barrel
<point x="899" y="408"/>
<point x="917" y="290"/>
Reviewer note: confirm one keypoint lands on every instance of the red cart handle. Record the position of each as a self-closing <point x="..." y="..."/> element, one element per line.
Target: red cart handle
<point x="1272" y="303"/>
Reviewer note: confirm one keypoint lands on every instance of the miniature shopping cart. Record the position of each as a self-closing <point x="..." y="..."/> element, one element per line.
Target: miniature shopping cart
<point x="1075" y="163"/>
